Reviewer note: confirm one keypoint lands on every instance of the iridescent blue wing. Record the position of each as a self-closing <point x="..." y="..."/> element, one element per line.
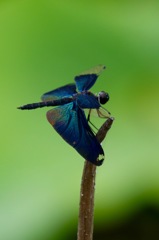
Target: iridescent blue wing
<point x="65" y="91"/>
<point x="86" y="80"/>
<point x="70" y="122"/>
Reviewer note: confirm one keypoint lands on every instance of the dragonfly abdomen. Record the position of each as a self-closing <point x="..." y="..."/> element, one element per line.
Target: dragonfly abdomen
<point x="53" y="103"/>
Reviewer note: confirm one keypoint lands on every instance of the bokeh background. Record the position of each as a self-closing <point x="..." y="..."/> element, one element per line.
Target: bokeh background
<point x="43" y="45"/>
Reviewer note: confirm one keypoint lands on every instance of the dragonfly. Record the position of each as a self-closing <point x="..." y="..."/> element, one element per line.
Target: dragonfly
<point x="68" y="116"/>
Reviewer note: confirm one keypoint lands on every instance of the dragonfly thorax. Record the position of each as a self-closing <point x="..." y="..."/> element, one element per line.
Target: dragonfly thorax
<point x="103" y="97"/>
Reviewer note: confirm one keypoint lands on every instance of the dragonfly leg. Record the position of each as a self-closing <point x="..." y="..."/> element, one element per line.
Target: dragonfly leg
<point x="89" y="114"/>
<point x="88" y="120"/>
<point x="103" y="113"/>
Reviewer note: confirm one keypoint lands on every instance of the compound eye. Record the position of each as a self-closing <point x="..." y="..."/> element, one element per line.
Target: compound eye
<point x="103" y="97"/>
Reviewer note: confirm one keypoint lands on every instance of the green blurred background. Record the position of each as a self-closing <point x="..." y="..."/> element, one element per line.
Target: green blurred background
<point x="43" y="45"/>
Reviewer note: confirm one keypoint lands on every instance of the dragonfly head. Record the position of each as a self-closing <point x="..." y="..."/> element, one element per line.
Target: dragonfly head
<point x="103" y="97"/>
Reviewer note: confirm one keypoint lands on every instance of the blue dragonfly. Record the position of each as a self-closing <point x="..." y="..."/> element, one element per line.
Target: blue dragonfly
<point x="68" y="117"/>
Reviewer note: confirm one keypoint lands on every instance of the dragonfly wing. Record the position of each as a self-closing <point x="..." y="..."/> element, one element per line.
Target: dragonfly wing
<point x="65" y="91"/>
<point x="86" y="80"/>
<point x="70" y="122"/>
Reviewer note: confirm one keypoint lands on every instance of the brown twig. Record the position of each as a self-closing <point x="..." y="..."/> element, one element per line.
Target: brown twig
<point x="86" y="209"/>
